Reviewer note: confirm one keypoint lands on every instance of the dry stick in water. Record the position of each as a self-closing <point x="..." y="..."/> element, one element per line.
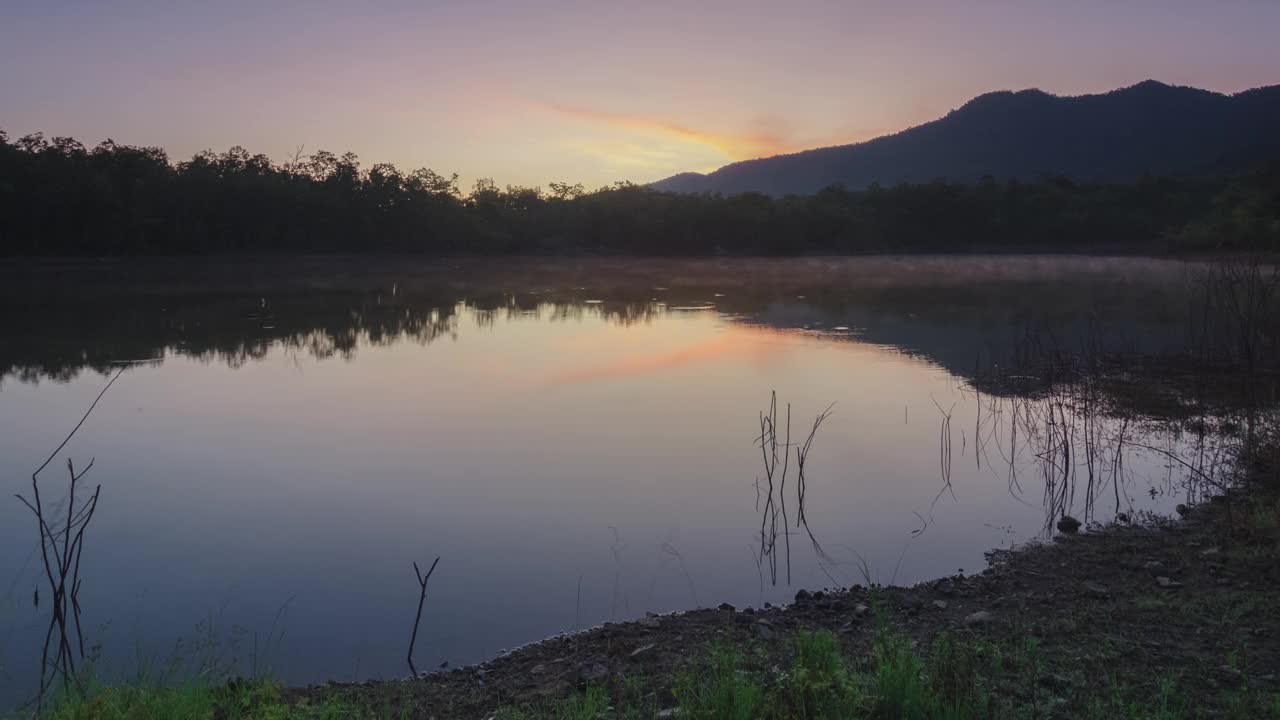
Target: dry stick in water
<point x="62" y="564"/>
<point x="615" y="549"/>
<point x="422" y="598"/>
<point x="769" y="451"/>
<point x="944" y="453"/>
<point x="577" y="605"/>
<point x="1117" y="463"/>
<point x="782" y="494"/>
<point x="674" y="552"/>
<point x="802" y="454"/>
<point x="769" y="454"/>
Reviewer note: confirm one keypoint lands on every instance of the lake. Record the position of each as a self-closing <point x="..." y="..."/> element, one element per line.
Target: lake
<point x="578" y="441"/>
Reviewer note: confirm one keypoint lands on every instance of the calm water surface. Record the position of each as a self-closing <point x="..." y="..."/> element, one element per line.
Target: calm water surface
<point x="577" y="443"/>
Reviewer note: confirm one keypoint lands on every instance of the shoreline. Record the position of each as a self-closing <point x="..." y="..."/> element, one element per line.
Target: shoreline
<point x="1134" y="613"/>
<point x="1134" y="602"/>
<point x="50" y="281"/>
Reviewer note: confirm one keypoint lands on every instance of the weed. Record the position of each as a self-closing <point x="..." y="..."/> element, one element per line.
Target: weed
<point x="722" y="693"/>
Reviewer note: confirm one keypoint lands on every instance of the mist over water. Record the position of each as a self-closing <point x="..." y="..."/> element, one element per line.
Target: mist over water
<point x="279" y="452"/>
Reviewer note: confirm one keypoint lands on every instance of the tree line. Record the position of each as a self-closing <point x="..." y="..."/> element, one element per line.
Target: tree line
<point x="59" y="197"/>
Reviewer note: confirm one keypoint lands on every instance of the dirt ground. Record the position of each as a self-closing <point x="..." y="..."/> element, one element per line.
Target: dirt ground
<point x="1191" y="604"/>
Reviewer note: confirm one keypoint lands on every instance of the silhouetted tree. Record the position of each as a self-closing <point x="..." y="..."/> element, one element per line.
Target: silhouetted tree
<point x="59" y="198"/>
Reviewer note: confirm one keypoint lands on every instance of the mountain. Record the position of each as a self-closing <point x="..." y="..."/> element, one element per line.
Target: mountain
<point x="1120" y="135"/>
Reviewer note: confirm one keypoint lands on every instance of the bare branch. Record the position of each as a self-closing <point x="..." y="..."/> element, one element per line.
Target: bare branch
<point x="422" y="598"/>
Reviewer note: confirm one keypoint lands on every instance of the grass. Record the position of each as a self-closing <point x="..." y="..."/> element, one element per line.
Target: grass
<point x="956" y="677"/>
<point x="591" y="704"/>
<point x="953" y="680"/>
<point x="820" y="684"/>
<point x="1262" y="518"/>
<point x="894" y="683"/>
<point x="236" y="700"/>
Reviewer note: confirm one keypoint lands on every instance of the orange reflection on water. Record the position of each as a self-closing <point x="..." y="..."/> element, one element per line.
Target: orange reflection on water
<point x="756" y="344"/>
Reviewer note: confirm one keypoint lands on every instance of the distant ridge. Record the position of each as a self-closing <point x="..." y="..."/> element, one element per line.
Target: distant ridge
<point x="1148" y="128"/>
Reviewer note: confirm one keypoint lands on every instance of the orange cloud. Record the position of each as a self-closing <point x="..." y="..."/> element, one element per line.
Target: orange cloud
<point x="735" y="146"/>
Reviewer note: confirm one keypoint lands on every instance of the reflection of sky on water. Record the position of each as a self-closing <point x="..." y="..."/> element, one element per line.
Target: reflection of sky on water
<point x="514" y="446"/>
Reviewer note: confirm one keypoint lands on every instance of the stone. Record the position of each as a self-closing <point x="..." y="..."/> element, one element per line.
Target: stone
<point x="1096" y="590"/>
<point x="802" y="596"/>
<point x="1209" y="552"/>
<point x="593" y="672"/>
<point x="1069" y="525"/>
<point x="940" y="604"/>
<point x="1056" y="682"/>
<point x="641" y="650"/>
<point x="1153" y="566"/>
<point x="726" y="607"/>
<point x="982" y="618"/>
<point x="763" y="631"/>
<point x="537" y="669"/>
<point x="860" y="610"/>
<point x="1168" y="583"/>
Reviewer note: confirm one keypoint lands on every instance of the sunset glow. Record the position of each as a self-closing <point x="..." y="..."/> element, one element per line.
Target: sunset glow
<point x="582" y="92"/>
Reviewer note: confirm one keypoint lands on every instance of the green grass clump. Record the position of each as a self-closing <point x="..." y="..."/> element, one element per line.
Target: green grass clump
<point x="942" y="687"/>
<point x="951" y="679"/>
<point x="236" y="700"/>
<point x="820" y="685"/>
<point x="722" y="691"/>
<point x="592" y="704"/>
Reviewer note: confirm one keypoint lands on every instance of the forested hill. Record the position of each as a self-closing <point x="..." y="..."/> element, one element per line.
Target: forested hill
<point x="58" y="197"/>
<point x="1147" y="129"/>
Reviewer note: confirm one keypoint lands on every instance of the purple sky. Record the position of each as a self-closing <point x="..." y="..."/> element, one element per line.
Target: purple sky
<point x="591" y="92"/>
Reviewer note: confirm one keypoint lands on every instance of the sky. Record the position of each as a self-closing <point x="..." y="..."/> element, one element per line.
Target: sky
<point x="527" y="93"/>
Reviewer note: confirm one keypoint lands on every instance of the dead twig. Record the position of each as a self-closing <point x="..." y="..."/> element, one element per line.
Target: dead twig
<point x="61" y="551"/>
<point x="422" y="598"/>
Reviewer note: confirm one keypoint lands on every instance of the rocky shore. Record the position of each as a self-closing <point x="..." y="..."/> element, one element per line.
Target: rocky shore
<point x="1190" y="606"/>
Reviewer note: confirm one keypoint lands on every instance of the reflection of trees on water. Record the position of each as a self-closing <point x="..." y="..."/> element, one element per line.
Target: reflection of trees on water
<point x="1087" y="436"/>
<point x="1070" y="450"/>
<point x="956" y="325"/>
<point x="1075" y="453"/>
<point x="1062" y="412"/>
<point x="59" y="344"/>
